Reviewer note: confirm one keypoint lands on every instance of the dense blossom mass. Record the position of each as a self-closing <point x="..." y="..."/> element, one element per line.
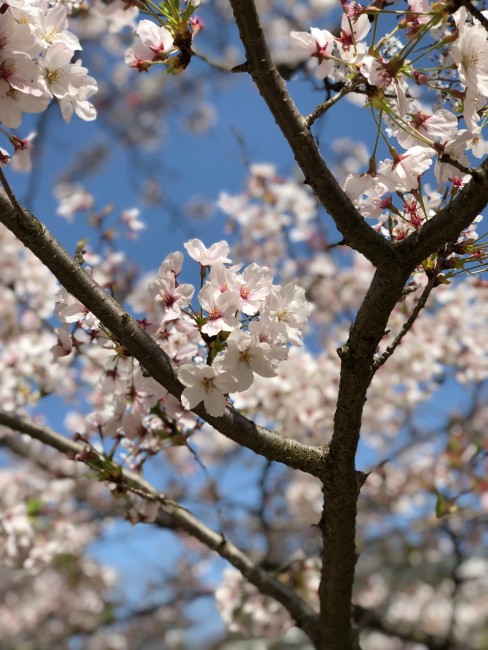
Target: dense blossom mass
<point x="252" y="326"/>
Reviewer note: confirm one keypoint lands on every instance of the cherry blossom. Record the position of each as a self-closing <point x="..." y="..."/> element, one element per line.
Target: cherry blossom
<point x="403" y="172"/>
<point x="470" y="54"/>
<point x="170" y="296"/>
<point x="441" y="126"/>
<point x="155" y="44"/>
<point x="354" y="29"/>
<point x="319" y="44"/>
<point x="245" y="356"/>
<point x="207" y="256"/>
<point x="289" y="310"/>
<point x="205" y="384"/>
<point x="220" y="308"/>
<point x="22" y="152"/>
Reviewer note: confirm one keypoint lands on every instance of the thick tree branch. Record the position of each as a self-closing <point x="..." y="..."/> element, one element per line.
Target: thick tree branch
<point x="341" y="487"/>
<point x="407" y="326"/>
<point x="356" y="232"/>
<point x="180" y="517"/>
<point x="125" y="329"/>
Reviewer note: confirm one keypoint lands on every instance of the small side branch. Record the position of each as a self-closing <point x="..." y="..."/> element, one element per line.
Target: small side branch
<point x="407" y="326"/>
<point x="182" y="519"/>
<point x="321" y="109"/>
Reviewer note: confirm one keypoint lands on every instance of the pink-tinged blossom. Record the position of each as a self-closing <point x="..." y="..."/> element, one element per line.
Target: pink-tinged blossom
<point x="58" y="71"/>
<point x="221" y="278"/>
<point x="4" y="157"/>
<point x="415" y="20"/>
<point x="142" y="393"/>
<point x="77" y="100"/>
<point x="131" y="219"/>
<point x="477" y="145"/>
<point x="53" y="27"/>
<point x="154" y="45"/>
<point x="252" y="287"/>
<point x="64" y="345"/>
<point x="266" y="331"/>
<point x="14" y="103"/>
<point x="439" y="127"/>
<point x="15" y="37"/>
<point x="473" y="101"/>
<point x="356" y="185"/>
<point x="172" y="263"/>
<point x="220" y="308"/>
<point x="172" y="297"/>
<point x="70" y="310"/>
<point x="217" y="252"/>
<point x="403" y="173"/>
<point x="319" y="44"/>
<point x="205" y="384"/>
<point x="72" y="198"/>
<point x="22" y="161"/>
<point x="455" y="149"/>
<point x="382" y="73"/>
<point x="69" y="83"/>
<point x="470" y="53"/>
<point x="354" y="28"/>
<point x="244" y="356"/>
<point x="21" y="73"/>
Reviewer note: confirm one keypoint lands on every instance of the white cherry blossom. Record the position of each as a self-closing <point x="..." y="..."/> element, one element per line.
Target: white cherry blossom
<point x="205" y="384"/>
<point x="172" y="297"/>
<point x="220" y="308"/>
<point x="244" y="356"/>
<point x="207" y="256"/>
<point x="470" y="53"/>
<point x="319" y="44"/>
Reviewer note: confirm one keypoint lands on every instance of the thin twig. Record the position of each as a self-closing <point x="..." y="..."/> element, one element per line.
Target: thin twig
<point x="129" y="481"/>
<point x="383" y="358"/>
<point x="321" y="109"/>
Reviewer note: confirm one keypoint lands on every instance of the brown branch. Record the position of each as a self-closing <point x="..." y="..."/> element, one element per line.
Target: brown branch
<point x="407" y="326"/>
<point x="125" y="329"/>
<point x="341" y="485"/>
<point x="356" y="232"/>
<point x="321" y="109"/>
<point x="181" y="518"/>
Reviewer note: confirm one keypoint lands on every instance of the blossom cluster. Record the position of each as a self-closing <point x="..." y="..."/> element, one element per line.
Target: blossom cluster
<point x="36" y="52"/>
<point x="381" y="75"/>
<point x="241" y="329"/>
<point x="272" y="215"/>
<point x="245" y="321"/>
<point x="168" y="43"/>
<point x="247" y="611"/>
